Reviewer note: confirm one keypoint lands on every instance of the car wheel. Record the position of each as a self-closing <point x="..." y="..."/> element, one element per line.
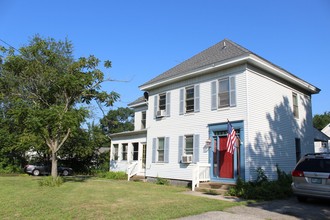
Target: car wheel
<point x="36" y="172"/>
<point x="302" y="198"/>
<point x="65" y="173"/>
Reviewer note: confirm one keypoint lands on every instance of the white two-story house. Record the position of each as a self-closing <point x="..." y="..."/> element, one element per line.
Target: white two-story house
<point x="181" y="122"/>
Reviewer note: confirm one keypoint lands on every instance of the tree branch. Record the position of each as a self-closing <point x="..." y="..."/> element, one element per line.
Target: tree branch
<point x="63" y="140"/>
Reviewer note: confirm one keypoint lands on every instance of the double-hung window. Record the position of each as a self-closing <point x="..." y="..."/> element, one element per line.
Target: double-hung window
<point x="189" y="99"/>
<point x="189" y="145"/>
<point x="143" y="119"/>
<point x="162" y="101"/>
<point x="295" y="105"/>
<point x="223" y="93"/>
<point x="160" y="149"/>
<point x="162" y="105"/>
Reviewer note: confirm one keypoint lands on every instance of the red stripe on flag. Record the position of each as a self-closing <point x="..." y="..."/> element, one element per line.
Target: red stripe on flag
<point x="231" y="139"/>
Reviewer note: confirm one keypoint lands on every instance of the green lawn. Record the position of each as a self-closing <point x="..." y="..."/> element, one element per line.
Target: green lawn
<point x="21" y="197"/>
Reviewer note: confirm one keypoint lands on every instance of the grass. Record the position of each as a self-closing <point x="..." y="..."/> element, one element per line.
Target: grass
<point x="23" y="198"/>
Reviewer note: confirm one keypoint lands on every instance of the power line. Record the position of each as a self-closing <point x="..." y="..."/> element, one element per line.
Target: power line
<point x="9" y="45"/>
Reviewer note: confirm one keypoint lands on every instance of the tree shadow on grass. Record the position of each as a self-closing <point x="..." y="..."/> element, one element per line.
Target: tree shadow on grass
<point x="78" y="178"/>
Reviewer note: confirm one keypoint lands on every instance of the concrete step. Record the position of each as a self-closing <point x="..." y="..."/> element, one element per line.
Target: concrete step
<point x="213" y="188"/>
<point x="138" y="178"/>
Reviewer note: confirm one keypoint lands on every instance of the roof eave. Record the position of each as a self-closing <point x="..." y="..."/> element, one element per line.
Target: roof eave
<point x="269" y="67"/>
<point x="137" y="104"/>
<point x="128" y="133"/>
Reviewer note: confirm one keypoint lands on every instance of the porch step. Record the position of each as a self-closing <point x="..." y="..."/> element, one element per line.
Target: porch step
<point x="138" y="178"/>
<point x="213" y="188"/>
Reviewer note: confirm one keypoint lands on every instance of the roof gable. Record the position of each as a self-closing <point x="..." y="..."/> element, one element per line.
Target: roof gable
<point x="221" y="51"/>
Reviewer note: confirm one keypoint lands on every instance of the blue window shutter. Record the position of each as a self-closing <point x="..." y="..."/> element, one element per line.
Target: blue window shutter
<point x="167" y="150"/>
<point x="196" y="98"/>
<point x="196" y="148"/>
<point x="180" y="150"/>
<point x="181" y="111"/>
<point x="214" y="95"/>
<point x="232" y="87"/>
<point x="154" y="150"/>
<point x="168" y="104"/>
<point x="155" y="106"/>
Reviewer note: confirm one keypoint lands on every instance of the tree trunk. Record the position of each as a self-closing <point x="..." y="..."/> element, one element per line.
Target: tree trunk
<point x="54" y="165"/>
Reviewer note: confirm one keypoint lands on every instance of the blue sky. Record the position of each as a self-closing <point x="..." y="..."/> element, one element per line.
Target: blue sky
<point x="147" y="37"/>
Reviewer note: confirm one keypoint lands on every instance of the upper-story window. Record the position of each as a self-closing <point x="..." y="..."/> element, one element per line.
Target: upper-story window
<point x="223" y="93"/>
<point x="295" y="105"/>
<point x="189" y="99"/>
<point x="162" y="101"/>
<point x="143" y="119"/>
<point x="162" y="105"/>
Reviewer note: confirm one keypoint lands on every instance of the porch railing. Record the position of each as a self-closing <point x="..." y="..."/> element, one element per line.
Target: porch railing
<point x="132" y="170"/>
<point x="200" y="173"/>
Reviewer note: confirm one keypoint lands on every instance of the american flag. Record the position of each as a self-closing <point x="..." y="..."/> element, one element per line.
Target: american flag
<point x="231" y="139"/>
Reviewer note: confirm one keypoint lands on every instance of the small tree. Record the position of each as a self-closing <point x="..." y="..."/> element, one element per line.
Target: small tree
<point x="44" y="84"/>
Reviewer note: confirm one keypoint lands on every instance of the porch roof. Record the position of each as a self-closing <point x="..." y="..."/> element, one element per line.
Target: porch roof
<point x="320" y="136"/>
<point x="128" y="133"/>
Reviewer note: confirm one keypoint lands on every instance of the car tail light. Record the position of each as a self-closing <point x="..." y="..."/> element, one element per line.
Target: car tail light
<point x="298" y="173"/>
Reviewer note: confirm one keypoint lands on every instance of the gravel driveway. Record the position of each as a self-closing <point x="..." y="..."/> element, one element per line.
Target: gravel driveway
<point x="278" y="209"/>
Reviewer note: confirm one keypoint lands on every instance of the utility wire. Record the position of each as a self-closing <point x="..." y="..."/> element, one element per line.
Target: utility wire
<point x="9" y="45"/>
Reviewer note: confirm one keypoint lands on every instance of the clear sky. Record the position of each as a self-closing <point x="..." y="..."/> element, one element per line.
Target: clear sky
<point x="144" y="38"/>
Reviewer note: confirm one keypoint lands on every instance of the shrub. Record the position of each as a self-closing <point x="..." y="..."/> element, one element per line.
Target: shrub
<point x="51" y="182"/>
<point x="112" y="175"/>
<point x="162" y="181"/>
<point x="6" y="168"/>
<point x="262" y="188"/>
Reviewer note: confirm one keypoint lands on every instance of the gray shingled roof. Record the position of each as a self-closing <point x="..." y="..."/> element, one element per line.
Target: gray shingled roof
<point x="221" y="51"/>
<point x="140" y="100"/>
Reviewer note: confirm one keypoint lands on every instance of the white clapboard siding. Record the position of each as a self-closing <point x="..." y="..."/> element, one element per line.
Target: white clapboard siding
<point x="191" y="124"/>
<point x="271" y="127"/>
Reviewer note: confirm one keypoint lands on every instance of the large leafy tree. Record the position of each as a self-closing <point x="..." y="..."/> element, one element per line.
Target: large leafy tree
<point x="42" y="87"/>
<point x="322" y="120"/>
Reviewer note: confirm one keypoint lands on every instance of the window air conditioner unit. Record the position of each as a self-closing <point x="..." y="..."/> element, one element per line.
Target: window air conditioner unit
<point x="161" y="113"/>
<point x="186" y="159"/>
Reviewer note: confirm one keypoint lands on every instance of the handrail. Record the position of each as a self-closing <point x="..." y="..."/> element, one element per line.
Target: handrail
<point x="132" y="170"/>
<point x="201" y="172"/>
